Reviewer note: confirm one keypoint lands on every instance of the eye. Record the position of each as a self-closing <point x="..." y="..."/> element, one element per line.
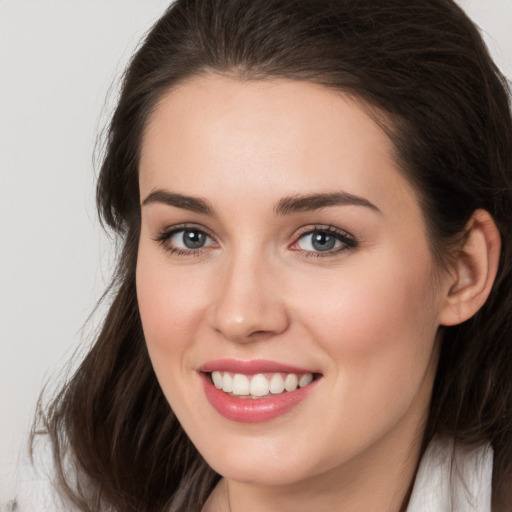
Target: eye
<point x="189" y="239"/>
<point x="185" y="240"/>
<point x="327" y="240"/>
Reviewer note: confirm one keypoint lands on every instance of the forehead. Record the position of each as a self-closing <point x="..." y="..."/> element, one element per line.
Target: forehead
<point x="265" y="139"/>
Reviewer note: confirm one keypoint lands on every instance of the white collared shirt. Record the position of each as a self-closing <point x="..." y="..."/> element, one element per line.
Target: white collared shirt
<point x="448" y="480"/>
<point x="453" y="479"/>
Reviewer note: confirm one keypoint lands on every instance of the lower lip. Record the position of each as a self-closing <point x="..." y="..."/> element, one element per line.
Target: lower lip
<point x="253" y="410"/>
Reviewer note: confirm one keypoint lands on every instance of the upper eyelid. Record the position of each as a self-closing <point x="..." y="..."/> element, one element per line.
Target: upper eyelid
<point x="170" y="230"/>
<point x="309" y="228"/>
<point x="305" y="230"/>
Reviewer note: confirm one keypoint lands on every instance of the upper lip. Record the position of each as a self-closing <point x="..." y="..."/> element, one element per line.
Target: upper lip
<point x="251" y="367"/>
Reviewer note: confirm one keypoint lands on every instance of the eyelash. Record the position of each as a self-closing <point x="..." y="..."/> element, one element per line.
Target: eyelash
<point x="165" y="235"/>
<point x="347" y="240"/>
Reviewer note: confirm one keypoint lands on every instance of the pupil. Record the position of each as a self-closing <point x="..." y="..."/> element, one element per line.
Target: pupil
<point x="193" y="239"/>
<point x="323" y="241"/>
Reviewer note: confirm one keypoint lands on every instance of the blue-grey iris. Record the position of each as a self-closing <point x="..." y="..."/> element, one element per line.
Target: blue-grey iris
<point x="322" y="241"/>
<point x="193" y="239"/>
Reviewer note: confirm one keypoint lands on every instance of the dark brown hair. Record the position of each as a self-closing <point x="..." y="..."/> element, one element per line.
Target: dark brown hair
<point x="422" y="65"/>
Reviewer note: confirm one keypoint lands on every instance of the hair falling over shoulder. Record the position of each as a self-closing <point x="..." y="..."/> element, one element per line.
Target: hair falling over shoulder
<point x="423" y="67"/>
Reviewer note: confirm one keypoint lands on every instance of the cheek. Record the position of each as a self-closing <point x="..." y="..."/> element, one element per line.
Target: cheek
<point x="170" y="303"/>
<point x="367" y="305"/>
<point x="378" y="323"/>
<point x="378" y="330"/>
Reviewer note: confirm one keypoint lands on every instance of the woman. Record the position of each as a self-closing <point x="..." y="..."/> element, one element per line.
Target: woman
<point x="312" y="309"/>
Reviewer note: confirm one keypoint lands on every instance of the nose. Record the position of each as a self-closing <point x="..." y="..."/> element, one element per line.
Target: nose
<point x="249" y="304"/>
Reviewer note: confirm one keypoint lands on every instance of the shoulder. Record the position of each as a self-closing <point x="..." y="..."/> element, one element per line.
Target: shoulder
<point x="453" y="477"/>
<point x="36" y="489"/>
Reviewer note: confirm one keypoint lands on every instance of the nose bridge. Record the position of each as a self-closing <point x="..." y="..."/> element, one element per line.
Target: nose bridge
<point x="248" y="301"/>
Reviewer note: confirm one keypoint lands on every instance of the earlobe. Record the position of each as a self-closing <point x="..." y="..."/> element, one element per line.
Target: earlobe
<point x="474" y="270"/>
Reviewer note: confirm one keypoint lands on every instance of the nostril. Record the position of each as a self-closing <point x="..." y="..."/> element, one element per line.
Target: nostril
<point x="261" y="334"/>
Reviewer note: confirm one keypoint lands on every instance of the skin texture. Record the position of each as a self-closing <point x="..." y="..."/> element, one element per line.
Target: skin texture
<point x="364" y="317"/>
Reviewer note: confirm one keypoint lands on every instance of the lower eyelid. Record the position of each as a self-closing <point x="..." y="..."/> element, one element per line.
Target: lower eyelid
<point x="178" y="251"/>
<point x="320" y="254"/>
<point x="326" y="254"/>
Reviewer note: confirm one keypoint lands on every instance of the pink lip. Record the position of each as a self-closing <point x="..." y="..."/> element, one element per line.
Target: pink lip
<point x="251" y="367"/>
<point x="249" y="410"/>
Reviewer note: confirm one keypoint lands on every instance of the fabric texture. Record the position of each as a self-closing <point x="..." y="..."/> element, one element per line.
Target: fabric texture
<point x="449" y="479"/>
<point x="36" y="491"/>
<point x="453" y="479"/>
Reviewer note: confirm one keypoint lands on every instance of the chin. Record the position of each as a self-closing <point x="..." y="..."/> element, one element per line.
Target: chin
<point x="258" y="473"/>
<point x="259" y="462"/>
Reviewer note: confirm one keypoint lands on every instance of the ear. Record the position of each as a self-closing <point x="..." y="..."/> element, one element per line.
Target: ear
<point x="472" y="275"/>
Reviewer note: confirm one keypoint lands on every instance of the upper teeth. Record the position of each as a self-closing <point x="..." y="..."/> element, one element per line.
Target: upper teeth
<point x="259" y="385"/>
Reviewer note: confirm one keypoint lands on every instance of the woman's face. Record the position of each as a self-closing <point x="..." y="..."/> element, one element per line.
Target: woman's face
<point x="280" y="241"/>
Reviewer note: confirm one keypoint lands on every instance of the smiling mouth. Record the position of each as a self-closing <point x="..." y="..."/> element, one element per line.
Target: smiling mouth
<point x="260" y="385"/>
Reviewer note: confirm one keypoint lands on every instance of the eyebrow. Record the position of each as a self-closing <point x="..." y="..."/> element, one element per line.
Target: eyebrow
<point x="311" y="202"/>
<point x="193" y="204"/>
<point x="285" y="206"/>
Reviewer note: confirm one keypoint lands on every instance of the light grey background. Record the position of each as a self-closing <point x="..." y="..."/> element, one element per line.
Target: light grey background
<point x="58" y="61"/>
